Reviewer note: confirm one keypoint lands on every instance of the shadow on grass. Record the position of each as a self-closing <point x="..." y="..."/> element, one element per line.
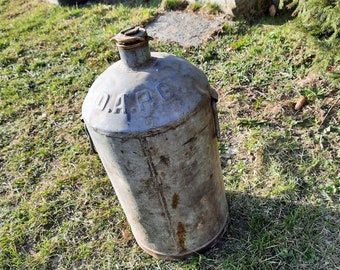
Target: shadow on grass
<point x="298" y="230"/>
<point x="281" y="18"/>
<point x="273" y="234"/>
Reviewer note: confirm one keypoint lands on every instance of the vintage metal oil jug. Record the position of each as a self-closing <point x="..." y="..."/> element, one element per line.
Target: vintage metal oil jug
<point x="152" y="119"/>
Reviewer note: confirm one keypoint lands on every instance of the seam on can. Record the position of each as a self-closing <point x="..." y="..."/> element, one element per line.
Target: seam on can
<point x="158" y="184"/>
<point x="160" y="129"/>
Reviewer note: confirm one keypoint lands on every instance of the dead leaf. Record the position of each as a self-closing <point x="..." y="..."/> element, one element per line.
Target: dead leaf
<point x="273" y="110"/>
<point x="126" y="235"/>
<point x="301" y="102"/>
<point x="310" y="80"/>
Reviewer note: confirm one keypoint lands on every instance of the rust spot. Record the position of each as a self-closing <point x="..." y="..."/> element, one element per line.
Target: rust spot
<point x="165" y="160"/>
<point x="181" y="235"/>
<point x="175" y="200"/>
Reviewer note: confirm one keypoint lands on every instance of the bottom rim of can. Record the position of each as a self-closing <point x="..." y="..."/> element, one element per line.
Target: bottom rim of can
<point x="199" y="250"/>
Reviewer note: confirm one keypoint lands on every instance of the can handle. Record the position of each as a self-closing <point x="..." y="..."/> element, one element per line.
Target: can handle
<point x="214" y="99"/>
<point x="93" y="148"/>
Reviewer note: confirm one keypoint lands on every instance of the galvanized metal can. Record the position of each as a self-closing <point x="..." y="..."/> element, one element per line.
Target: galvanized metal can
<point x="152" y="119"/>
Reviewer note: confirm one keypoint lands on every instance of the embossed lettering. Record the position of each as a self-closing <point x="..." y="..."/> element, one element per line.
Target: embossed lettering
<point x="102" y="101"/>
<point x="140" y="100"/>
<point x="143" y="97"/>
<point x="165" y="91"/>
<point x="119" y="106"/>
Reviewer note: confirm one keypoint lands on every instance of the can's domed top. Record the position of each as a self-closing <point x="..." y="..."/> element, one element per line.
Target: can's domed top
<point x="158" y="95"/>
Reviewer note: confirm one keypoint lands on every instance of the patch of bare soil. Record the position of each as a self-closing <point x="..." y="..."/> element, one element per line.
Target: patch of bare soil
<point x="185" y="28"/>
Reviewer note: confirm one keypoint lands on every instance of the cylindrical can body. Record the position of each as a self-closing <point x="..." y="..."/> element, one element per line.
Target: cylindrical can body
<point x="154" y="130"/>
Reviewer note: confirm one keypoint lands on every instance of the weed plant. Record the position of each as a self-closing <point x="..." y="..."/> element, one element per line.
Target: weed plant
<point x="212" y="8"/>
<point x="195" y="6"/>
<point x="280" y="165"/>
<point x="174" y="4"/>
<point x="318" y="25"/>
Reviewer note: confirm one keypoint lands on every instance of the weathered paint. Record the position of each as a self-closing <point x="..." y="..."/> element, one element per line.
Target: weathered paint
<point x="154" y="129"/>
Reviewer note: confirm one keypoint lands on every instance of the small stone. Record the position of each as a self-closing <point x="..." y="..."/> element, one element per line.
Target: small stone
<point x="272" y="10"/>
<point x="186" y="29"/>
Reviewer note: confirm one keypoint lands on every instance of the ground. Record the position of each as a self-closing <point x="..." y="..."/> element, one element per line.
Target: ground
<point x="185" y="28"/>
<point x="280" y="164"/>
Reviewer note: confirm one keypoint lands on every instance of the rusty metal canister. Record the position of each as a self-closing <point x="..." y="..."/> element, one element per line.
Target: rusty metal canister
<point x="152" y="119"/>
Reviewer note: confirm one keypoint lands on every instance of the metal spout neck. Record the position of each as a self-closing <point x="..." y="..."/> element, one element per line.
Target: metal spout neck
<point x="133" y="46"/>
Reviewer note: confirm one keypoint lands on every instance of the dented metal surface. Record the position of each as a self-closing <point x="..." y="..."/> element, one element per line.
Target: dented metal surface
<point x="153" y="124"/>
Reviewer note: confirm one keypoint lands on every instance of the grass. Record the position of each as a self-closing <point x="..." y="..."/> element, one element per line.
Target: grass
<point x="174" y="4"/>
<point x="212" y="8"/>
<point x="195" y="6"/>
<point x="280" y="166"/>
